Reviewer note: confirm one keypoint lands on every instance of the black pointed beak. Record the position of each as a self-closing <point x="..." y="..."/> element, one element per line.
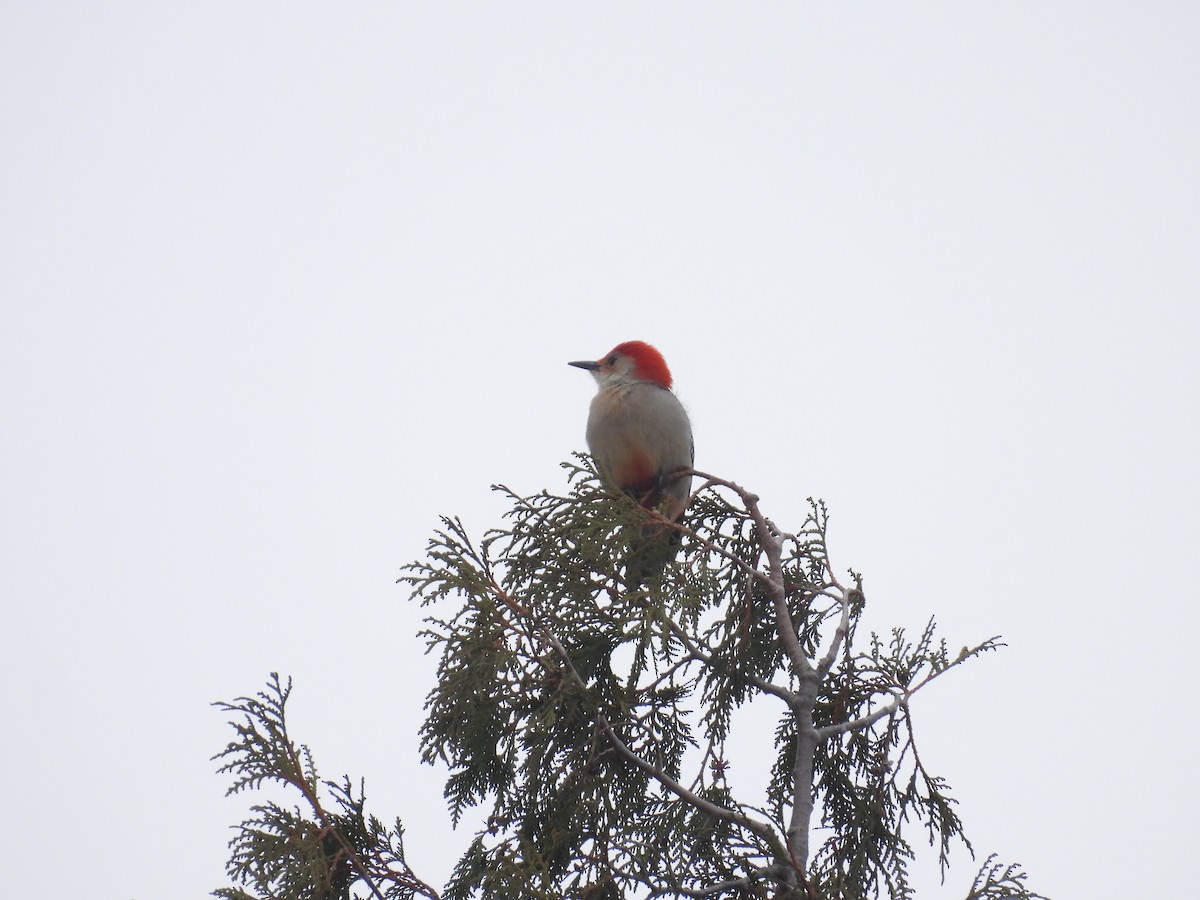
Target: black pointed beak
<point x="585" y="364"/>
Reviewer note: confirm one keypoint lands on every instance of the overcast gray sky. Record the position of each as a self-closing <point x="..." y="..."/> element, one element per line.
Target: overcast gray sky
<point x="283" y="282"/>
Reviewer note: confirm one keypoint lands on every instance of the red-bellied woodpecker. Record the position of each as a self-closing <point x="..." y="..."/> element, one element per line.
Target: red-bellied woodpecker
<point x="640" y="437"/>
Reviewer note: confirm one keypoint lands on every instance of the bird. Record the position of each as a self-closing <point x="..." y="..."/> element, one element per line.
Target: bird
<point x="640" y="436"/>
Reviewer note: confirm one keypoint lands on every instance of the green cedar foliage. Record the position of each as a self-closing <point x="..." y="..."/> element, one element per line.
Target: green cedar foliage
<point x="327" y="849"/>
<point x="590" y="720"/>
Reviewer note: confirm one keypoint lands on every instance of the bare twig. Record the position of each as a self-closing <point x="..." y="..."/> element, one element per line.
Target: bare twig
<point x="839" y="635"/>
<point x="862" y="722"/>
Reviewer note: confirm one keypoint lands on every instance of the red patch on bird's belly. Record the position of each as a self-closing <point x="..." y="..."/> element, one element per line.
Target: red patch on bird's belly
<point x="635" y="475"/>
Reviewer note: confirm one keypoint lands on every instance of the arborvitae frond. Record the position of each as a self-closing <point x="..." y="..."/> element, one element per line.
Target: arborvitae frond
<point x="997" y="881"/>
<point x="872" y="781"/>
<point x="262" y="751"/>
<point x="319" y="850"/>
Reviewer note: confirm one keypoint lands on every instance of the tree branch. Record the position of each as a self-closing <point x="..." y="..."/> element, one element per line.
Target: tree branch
<point x="693" y="648"/>
<point x="302" y="785"/>
<point x="839" y="635"/>
<point x="707" y="807"/>
<point x="771" y="540"/>
<point x="720" y="888"/>
<point x="828" y="731"/>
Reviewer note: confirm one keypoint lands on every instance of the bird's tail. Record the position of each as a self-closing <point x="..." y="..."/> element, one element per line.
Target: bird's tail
<point x="652" y="548"/>
<point x="656" y="544"/>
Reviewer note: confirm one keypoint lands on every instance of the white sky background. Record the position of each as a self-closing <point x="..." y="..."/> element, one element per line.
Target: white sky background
<point x="282" y="283"/>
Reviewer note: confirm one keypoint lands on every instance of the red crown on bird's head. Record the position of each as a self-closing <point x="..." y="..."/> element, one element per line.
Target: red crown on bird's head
<point x="649" y="364"/>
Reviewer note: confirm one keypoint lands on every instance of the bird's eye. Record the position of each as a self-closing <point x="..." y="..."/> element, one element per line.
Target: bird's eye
<point x="611" y="361"/>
